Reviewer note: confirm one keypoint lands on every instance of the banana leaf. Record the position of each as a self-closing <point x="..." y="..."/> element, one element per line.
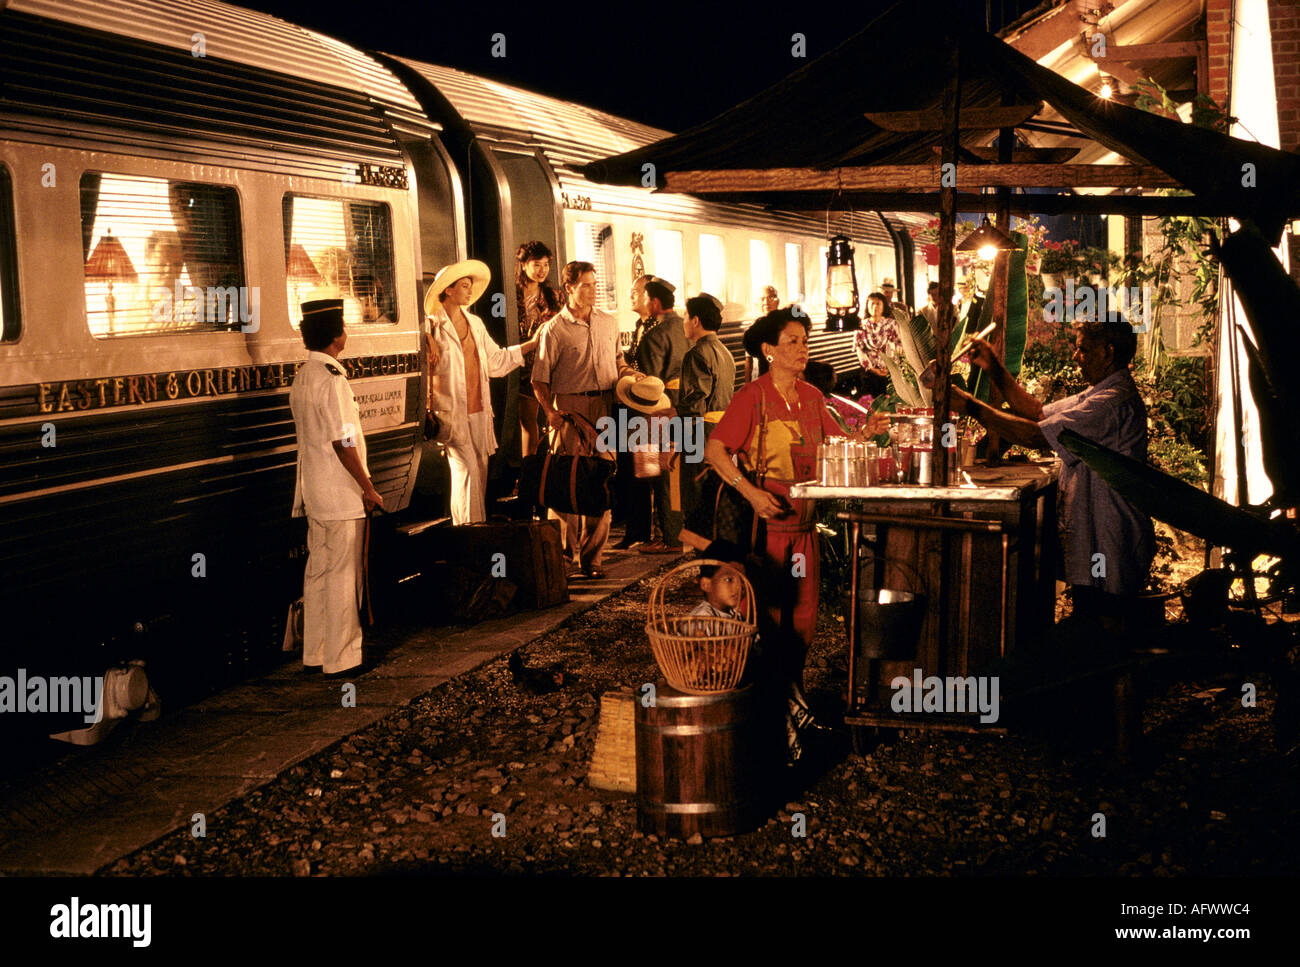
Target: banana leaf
<point x="906" y="387"/>
<point x="1181" y="505"/>
<point x="1016" y="328"/>
<point x="917" y="340"/>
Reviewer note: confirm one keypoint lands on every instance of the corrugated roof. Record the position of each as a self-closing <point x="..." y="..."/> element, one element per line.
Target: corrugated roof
<point x="815" y="118"/>
<point x="234" y="34"/>
<point x="572" y="135"/>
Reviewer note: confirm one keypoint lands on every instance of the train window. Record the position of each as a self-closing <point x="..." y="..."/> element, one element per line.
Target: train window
<point x="10" y="326"/>
<point x="794" y="271"/>
<point x="338" y="248"/>
<point x="760" y="269"/>
<point x="668" y="256"/>
<point x="594" y="243"/>
<point x="161" y="256"/>
<point x="713" y="266"/>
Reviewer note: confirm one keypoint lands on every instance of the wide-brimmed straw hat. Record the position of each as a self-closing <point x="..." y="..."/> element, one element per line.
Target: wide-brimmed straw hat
<point x="645" y="394"/>
<point x="450" y="275"/>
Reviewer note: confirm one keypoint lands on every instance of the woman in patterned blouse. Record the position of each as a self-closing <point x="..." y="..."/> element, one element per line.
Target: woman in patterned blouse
<point x="537" y="303"/>
<point x="877" y="338"/>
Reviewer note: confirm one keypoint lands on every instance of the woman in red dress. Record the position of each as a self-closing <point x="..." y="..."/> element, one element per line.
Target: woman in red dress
<point x="791" y="418"/>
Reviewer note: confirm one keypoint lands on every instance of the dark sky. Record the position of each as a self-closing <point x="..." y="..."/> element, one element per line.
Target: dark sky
<point x="667" y="64"/>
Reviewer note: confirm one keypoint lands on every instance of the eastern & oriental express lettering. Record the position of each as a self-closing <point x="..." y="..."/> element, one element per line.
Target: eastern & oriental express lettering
<point x="110" y="391"/>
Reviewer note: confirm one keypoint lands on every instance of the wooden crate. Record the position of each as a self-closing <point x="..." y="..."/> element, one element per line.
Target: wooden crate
<point x="613" y="764"/>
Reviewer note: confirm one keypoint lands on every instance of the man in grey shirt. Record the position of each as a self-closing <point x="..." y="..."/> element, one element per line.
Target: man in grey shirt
<point x="1109" y="543"/>
<point x="577" y="365"/>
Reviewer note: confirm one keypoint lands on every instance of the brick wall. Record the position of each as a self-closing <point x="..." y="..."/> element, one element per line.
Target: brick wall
<point x="1284" y="25"/>
<point x="1218" y="24"/>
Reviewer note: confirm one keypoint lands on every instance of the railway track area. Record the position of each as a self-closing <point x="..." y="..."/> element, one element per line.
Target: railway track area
<point x="483" y="772"/>
<point x="480" y="771"/>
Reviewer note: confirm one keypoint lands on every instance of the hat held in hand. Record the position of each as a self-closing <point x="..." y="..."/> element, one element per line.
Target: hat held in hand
<point x="645" y="394"/>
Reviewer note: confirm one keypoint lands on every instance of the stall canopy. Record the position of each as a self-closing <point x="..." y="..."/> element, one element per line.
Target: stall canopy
<point x="865" y="120"/>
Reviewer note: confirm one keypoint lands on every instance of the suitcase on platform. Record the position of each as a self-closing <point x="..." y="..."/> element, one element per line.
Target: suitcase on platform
<point x="527" y="553"/>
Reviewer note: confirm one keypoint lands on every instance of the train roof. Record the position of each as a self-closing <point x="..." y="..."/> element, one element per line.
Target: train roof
<point x="571" y="135"/>
<point x="202" y="76"/>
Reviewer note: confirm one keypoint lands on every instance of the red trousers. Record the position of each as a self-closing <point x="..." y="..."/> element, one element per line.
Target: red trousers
<point x="791" y="592"/>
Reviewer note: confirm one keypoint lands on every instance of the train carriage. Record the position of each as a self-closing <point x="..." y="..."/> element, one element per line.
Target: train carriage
<point x="175" y="179"/>
<point x="174" y="182"/>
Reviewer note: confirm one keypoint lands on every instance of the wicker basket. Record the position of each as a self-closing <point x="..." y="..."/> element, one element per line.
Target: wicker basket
<point x="694" y="663"/>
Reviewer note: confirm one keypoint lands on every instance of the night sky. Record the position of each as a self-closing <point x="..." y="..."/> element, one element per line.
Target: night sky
<point x="669" y="65"/>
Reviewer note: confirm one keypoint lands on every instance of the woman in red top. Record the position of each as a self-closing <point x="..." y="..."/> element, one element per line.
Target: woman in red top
<point x="796" y="422"/>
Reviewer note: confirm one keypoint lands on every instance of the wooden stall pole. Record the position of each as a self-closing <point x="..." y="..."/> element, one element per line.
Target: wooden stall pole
<point x="998" y="285"/>
<point x="947" y="242"/>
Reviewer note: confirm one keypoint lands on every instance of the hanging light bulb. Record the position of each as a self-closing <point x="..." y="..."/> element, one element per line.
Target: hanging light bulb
<point x="1107" y="88"/>
<point x="986" y="241"/>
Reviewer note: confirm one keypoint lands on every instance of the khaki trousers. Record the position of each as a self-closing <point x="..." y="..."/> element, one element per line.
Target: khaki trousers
<point x="331" y="595"/>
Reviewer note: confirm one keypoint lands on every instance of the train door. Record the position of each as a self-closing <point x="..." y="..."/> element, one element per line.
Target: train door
<point x="528" y="212"/>
<point x="441" y="241"/>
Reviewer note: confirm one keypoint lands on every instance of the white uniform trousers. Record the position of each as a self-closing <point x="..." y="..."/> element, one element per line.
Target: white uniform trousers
<point x="331" y="594"/>
<point x="469" y="466"/>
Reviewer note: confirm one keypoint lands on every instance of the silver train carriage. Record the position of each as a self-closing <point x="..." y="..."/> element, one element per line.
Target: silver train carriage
<point x="172" y="185"/>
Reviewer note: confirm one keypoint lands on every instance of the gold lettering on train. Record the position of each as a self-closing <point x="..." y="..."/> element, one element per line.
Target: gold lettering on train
<point x="137" y="389"/>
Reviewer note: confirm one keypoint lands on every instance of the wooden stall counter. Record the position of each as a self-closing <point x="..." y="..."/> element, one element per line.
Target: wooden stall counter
<point x="982" y="554"/>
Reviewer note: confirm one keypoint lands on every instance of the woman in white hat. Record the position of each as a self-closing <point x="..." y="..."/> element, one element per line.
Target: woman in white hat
<point x="462" y="358"/>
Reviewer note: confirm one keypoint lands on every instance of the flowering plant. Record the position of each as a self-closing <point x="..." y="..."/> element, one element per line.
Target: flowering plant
<point x="1060" y="256"/>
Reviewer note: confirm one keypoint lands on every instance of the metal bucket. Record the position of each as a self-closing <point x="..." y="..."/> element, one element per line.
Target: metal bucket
<point x="889" y="623"/>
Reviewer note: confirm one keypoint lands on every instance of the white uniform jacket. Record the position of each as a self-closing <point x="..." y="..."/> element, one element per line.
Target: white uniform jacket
<point x="325" y="410"/>
<point x="449" y="393"/>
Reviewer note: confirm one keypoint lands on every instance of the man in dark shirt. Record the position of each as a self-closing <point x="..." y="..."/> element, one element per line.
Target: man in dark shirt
<point x="708" y="381"/>
<point x="660" y="353"/>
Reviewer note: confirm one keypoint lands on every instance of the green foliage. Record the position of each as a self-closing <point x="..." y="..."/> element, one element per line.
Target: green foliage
<point x="1178" y="459"/>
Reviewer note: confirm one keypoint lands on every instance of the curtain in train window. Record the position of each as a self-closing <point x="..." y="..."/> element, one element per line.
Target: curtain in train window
<point x="713" y="266"/>
<point x="10" y="325"/>
<point x="161" y="256"/>
<point x="667" y="257"/>
<point x="336" y="248"/>
<point x="594" y="243"/>
<point x="760" y="271"/>
<point x="794" y="272"/>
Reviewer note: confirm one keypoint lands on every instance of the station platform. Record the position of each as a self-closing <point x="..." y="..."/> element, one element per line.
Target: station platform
<point x="92" y="806"/>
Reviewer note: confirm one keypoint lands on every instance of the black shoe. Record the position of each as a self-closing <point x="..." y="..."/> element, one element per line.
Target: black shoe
<point x="801" y="713"/>
<point x="594" y="573"/>
<point x="794" y="748"/>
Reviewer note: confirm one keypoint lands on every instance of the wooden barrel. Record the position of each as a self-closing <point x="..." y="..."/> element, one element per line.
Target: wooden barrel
<point x="705" y="763"/>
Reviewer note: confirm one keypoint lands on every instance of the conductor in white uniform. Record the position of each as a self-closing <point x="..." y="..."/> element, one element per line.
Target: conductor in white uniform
<point x="462" y="359"/>
<point x="333" y="490"/>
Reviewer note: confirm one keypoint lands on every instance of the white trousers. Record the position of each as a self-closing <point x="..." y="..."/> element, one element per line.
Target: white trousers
<point x="331" y="595"/>
<point x="469" y="465"/>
